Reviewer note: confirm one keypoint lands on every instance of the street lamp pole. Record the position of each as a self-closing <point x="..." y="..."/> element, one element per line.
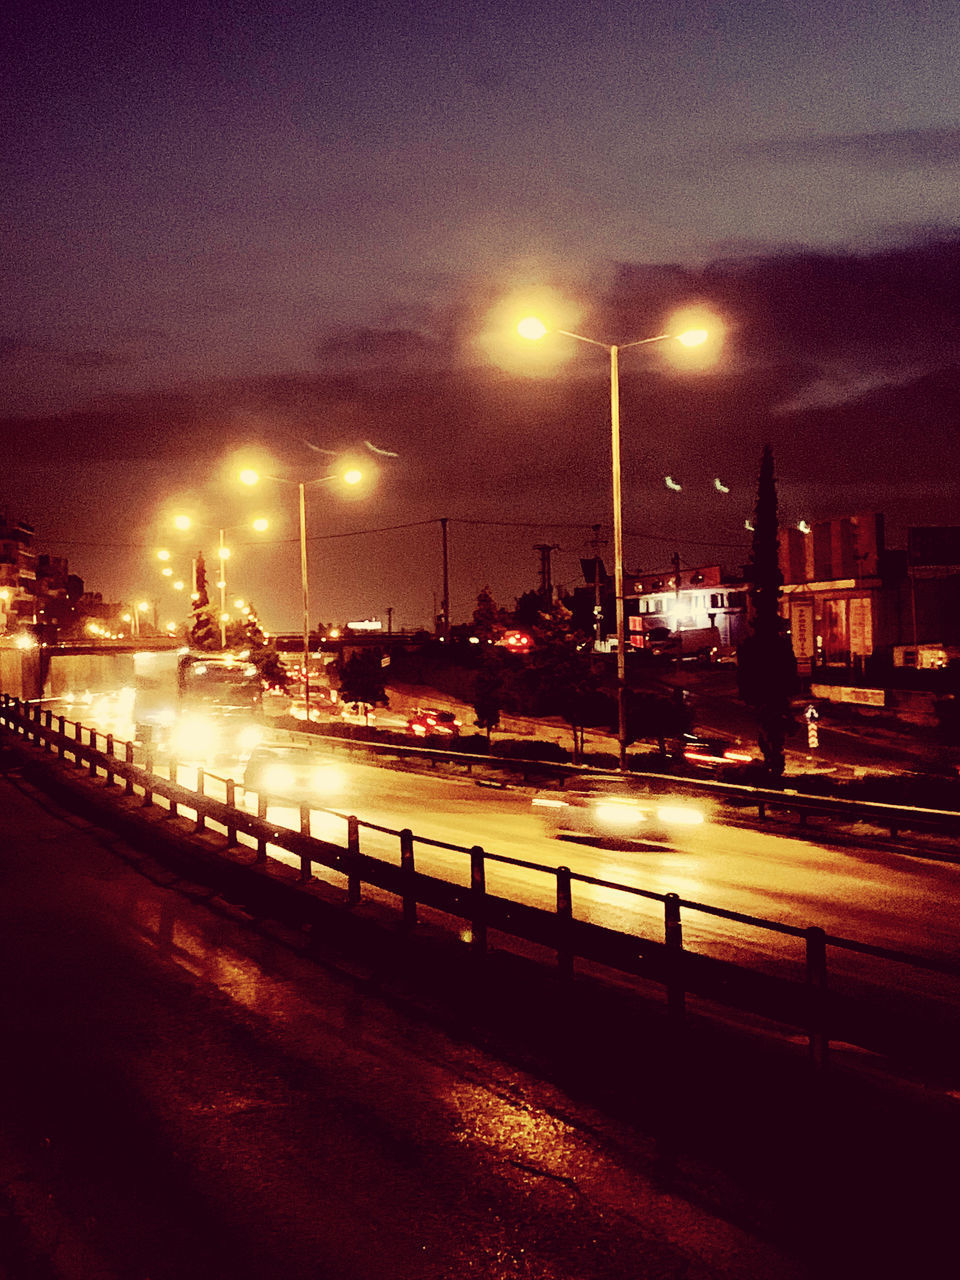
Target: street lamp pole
<point x="223" y="595"/>
<point x="534" y="329"/>
<point x="618" y="554"/>
<point x="306" y="601"/>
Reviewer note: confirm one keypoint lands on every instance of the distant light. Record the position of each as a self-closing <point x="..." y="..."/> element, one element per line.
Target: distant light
<point x="474" y="640"/>
<point x="249" y="476"/>
<point x="163" y="555"/>
<point x="532" y="329"/>
<point x="672" y="484"/>
<point x="224" y="553"/>
<point x="693" y="337"/>
<point x="182" y="522"/>
<point x="178" y="586"/>
<point x="224" y="617"/>
<point x="25" y="641"/>
<point x="353" y="476"/>
<point x="720" y="486"/>
<point x="803" y="526"/>
<point x="167" y="572"/>
<point x="238" y="604"/>
<point x="221" y="583"/>
<point x="143" y="606"/>
<point x="261" y="524"/>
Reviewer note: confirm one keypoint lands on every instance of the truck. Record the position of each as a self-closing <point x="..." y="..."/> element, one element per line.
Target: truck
<point x="197" y="706"/>
<point x="692" y="643"/>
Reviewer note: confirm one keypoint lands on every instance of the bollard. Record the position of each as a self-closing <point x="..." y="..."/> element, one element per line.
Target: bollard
<point x="478" y="891"/>
<point x="817" y="996"/>
<point x="407" y="873"/>
<point x="201" y="821"/>
<point x="306" y="862"/>
<point x="261" y="813"/>
<point x="231" y="804"/>
<point x="128" y="759"/>
<point x="564" y="923"/>
<point x="353" y="851"/>
<point x="673" y="937"/>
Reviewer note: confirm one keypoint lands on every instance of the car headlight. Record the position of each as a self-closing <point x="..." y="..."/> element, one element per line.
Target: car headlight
<point x="327" y="779"/>
<point x="619" y="813"/>
<point x="278" y="777"/>
<point x="196" y="737"/>
<point x="548" y="802"/>
<point x="249" y="737"/>
<point x="679" y="815"/>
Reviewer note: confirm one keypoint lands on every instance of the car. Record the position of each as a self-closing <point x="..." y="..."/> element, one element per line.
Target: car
<point x="713" y="752"/>
<point x="293" y="773"/>
<point x="427" y="722"/>
<point x="616" y="806"/>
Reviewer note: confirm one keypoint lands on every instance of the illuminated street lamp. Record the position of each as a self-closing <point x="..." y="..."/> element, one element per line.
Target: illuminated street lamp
<point x="350" y="476"/>
<point x="533" y="329"/>
<point x="183" y="522"/>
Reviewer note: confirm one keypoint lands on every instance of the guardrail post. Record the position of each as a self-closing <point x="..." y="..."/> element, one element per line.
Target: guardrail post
<point x="817" y="996"/>
<point x="673" y="937"/>
<point x="406" y="870"/>
<point x="201" y="820"/>
<point x="306" y="862"/>
<point x="353" y="850"/>
<point x="46" y="719"/>
<point x="110" y="773"/>
<point x="231" y="804"/>
<point x="147" y="789"/>
<point x="128" y="759"/>
<point x="478" y="893"/>
<point x="262" y="814"/>
<point x="174" y="770"/>
<point x="93" y="747"/>
<point x="564" y="920"/>
<point x="62" y="731"/>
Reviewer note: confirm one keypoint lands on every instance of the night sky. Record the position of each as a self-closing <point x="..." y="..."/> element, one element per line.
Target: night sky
<point x="234" y="231"/>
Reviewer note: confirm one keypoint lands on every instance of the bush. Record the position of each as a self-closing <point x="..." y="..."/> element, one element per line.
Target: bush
<point x="518" y="749"/>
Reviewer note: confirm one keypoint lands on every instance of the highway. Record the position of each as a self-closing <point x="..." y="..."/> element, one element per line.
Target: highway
<point x="864" y="893"/>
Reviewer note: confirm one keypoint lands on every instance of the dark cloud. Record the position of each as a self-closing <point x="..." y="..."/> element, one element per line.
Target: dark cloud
<point x="18" y="350"/>
<point x="891" y="150"/>
<point x="372" y="346"/>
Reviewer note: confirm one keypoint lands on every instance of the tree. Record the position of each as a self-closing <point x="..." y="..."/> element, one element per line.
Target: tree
<point x="652" y="715"/>
<point x="766" y="666"/>
<point x="488" y="693"/>
<point x="561" y="675"/>
<point x="361" y="680"/>
<point x="204" y="630"/>
<point x="248" y="633"/>
<point x="489" y="620"/>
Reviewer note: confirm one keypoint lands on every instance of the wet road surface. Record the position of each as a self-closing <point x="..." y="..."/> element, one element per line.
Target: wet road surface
<point x="185" y="1096"/>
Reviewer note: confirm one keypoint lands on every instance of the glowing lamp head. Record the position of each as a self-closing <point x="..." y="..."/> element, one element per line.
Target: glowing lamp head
<point x="163" y="555"/>
<point x="693" y="337"/>
<point x="353" y="476"/>
<point x="532" y="329"/>
<point x="250" y="477"/>
<point x="167" y="571"/>
<point x="261" y="524"/>
<point x="182" y="522"/>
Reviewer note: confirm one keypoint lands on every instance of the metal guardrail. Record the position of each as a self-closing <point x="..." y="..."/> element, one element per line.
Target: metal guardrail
<point x="809" y="1006"/>
<point x="891" y="817"/>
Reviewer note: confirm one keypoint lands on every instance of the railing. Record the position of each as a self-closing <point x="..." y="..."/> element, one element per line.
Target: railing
<point x="820" y="1014"/>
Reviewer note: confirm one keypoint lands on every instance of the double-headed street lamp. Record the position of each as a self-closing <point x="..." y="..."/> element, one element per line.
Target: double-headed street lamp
<point x="533" y="329"/>
<point x="351" y="476"/>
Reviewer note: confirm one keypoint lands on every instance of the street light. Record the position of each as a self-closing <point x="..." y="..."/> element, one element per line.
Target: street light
<point x="351" y="476"/>
<point x="533" y="329"/>
<point x="183" y="523"/>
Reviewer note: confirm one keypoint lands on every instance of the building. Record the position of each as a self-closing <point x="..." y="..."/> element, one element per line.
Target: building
<point x="18" y="574"/>
<point x="687" y="599"/>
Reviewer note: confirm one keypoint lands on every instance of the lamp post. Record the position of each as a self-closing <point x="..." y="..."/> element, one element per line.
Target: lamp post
<point x="183" y="523"/>
<point x="533" y="329"/>
<point x="351" y="476"/>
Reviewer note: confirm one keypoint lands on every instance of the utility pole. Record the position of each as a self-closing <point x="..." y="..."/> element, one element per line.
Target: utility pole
<point x="597" y="543"/>
<point x="546" y="581"/>
<point x="445" y="603"/>
<point x="390" y="620"/>
<point x="676" y="575"/>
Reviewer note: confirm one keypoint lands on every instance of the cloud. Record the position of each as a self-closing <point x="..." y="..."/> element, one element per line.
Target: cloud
<point x="890" y="150"/>
<point x="368" y="346"/>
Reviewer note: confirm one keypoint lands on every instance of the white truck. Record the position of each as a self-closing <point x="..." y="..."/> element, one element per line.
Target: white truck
<point x="691" y="644"/>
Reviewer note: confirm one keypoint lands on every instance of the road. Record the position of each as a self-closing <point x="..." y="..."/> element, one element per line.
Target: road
<point x="183" y="1097"/>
